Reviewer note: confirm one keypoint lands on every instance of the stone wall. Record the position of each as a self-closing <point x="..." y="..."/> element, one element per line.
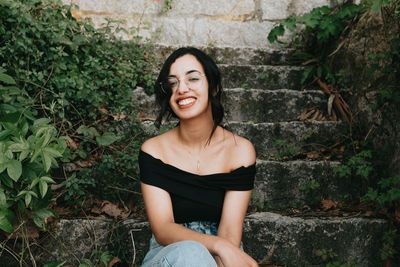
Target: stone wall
<point x="224" y="23"/>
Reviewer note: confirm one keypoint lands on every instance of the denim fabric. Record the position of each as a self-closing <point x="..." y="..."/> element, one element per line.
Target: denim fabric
<point x="185" y="253"/>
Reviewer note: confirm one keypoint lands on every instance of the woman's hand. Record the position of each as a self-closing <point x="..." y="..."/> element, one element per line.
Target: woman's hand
<point x="232" y="256"/>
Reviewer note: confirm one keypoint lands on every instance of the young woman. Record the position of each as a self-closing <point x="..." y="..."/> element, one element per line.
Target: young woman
<point x="196" y="178"/>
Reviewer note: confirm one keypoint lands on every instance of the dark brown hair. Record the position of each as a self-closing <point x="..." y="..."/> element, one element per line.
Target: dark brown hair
<point x="214" y="85"/>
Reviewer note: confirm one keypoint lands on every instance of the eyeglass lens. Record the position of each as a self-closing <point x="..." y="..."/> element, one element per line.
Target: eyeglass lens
<point x="192" y="80"/>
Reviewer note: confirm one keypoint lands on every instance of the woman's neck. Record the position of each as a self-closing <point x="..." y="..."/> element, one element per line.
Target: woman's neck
<point x="195" y="133"/>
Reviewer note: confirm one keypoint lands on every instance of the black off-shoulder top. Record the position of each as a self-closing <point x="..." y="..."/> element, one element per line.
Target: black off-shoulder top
<point x="194" y="197"/>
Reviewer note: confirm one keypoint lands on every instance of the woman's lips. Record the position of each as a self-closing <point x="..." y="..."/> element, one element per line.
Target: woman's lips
<point x="186" y="102"/>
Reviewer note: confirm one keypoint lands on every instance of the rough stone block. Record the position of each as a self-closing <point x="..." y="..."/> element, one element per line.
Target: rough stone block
<point x="118" y="7"/>
<point x="272" y="140"/>
<point x="278" y="10"/>
<point x="233" y="55"/>
<point x="261" y="76"/>
<point x="278" y="185"/>
<point x="270" y="105"/>
<point x="293" y="241"/>
<point x="213" y="8"/>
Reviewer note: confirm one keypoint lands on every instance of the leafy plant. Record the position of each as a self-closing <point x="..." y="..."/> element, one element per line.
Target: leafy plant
<point x="29" y="148"/>
<point x="359" y="165"/>
<point x="388" y="191"/>
<point x="82" y="79"/>
<point x="284" y="150"/>
<point x="321" y="28"/>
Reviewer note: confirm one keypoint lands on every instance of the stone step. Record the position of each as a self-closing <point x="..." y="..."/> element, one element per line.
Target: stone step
<point x="254" y="105"/>
<point x="294" y="184"/>
<point x="277" y="140"/>
<point x="295" y="241"/>
<point x="270" y="105"/>
<point x="233" y="55"/>
<point x="267" y="236"/>
<point x="261" y="76"/>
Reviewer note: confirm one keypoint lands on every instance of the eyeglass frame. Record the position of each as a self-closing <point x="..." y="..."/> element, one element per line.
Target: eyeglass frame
<point x="183" y="78"/>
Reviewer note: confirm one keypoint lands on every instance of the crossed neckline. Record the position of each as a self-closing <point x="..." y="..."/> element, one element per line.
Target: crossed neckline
<point x="195" y="174"/>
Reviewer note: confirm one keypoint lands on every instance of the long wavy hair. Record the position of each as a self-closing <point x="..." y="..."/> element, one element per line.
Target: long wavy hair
<point x="213" y="76"/>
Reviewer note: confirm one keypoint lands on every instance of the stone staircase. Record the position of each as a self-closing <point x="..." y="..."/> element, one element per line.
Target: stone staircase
<point x="263" y="98"/>
<point x="263" y="101"/>
<point x="275" y="231"/>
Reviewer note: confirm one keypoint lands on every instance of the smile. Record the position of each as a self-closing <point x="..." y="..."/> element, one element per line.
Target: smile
<point x="186" y="101"/>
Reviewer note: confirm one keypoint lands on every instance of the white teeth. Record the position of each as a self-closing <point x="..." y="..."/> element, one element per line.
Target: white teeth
<point x="186" y="101"/>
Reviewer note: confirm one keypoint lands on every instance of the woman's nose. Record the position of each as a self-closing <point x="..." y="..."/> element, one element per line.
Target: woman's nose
<point x="182" y="87"/>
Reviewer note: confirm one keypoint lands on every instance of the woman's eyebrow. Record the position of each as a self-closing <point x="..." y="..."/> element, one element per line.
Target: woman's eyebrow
<point x="188" y="72"/>
<point x="191" y="71"/>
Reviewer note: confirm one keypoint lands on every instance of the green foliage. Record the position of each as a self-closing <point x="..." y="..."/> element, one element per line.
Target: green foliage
<point x="167" y="5"/>
<point x="389" y="240"/>
<point x="310" y="186"/>
<point x="72" y="68"/>
<point x="328" y="255"/>
<point x="284" y="150"/>
<point x="358" y="164"/>
<point x="388" y="191"/>
<point x="29" y="147"/>
<point x="82" y="79"/>
<point x="321" y="28"/>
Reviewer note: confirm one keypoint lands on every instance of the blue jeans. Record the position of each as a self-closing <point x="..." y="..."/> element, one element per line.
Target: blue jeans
<point x="184" y="253"/>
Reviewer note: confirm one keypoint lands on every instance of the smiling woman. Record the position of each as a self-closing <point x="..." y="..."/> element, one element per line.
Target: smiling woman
<point x="196" y="178"/>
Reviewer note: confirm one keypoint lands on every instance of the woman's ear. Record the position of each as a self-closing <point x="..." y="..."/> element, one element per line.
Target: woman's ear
<point x="215" y="92"/>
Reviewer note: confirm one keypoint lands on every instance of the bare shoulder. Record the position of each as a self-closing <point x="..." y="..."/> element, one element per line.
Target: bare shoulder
<point x="241" y="150"/>
<point x="155" y="145"/>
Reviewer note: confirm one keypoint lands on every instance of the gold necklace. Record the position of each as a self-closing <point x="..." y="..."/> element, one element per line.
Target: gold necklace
<point x="198" y="157"/>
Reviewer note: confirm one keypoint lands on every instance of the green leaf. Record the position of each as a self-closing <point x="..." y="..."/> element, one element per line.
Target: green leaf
<point x="3" y="200"/>
<point x="55" y="264"/>
<point x="34" y="182"/>
<point x="106" y="139"/>
<point x="306" y="74"/>
<point x="7" y="221"/>
<point x="46" y="159"/>
<point x="43" y="188"/>
<point x="7" y="79"/>
<point x="85" y="263"/>
<point x="52" y="152"/>
<point x="47" y="179"/>
<point x="275" y="32"/>
<point x="106" y="257"/>
<point x="41" y="121"/>
<point x="40" y="215"/>
<point x="28" y="198"/>
<point x="6" y="180"/>
<point x="88" y="132"/>
<point x="14" y="169"/>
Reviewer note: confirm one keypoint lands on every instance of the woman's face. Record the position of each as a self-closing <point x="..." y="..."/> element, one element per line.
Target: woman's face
<point x="189" y="87"/>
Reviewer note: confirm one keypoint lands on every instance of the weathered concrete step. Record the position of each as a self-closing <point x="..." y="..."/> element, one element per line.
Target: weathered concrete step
<point x="293" y="184"/>
<point x="261" y="76"/>
<point x="280" y="139"/>
<point x="266" y="236"/>
<point x="258" y="105"/>
<point x="294" y="241"/>
<point x="233" y="55"/>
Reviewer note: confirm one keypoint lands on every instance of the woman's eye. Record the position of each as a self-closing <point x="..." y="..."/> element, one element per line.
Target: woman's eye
<point x="172" y="84"/>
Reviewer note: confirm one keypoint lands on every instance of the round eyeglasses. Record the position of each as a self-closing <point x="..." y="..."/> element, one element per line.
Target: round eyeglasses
<point x="193" y="80"/>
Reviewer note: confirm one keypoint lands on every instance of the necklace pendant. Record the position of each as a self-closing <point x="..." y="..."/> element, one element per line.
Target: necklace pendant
<point x="198" y="164"/>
